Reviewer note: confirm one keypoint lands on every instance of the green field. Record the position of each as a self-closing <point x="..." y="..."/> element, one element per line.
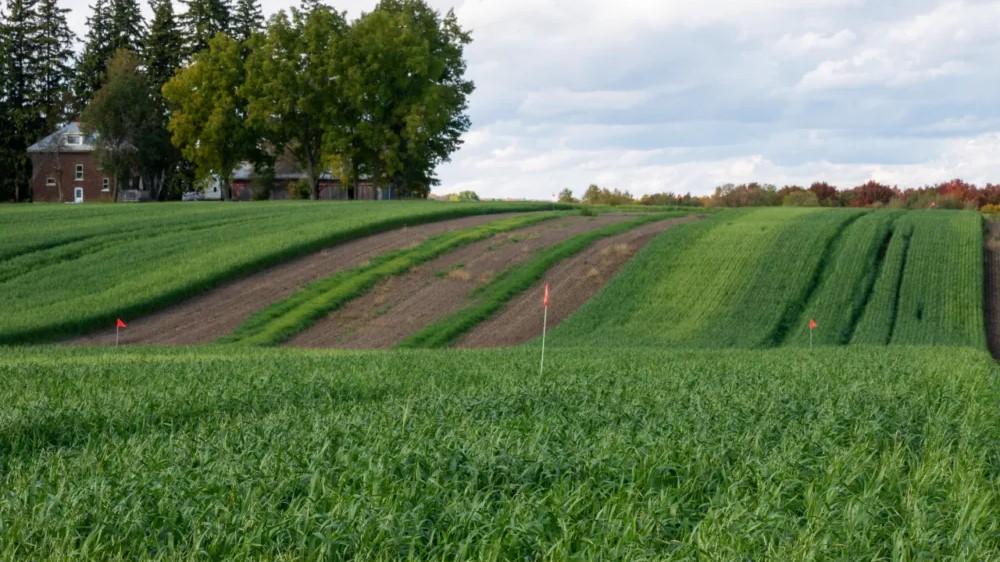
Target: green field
<point x="841" y="453"/>
<point x="682" y="415"/>
<point x="754" y="278"/>
<point x="65" y="270"/>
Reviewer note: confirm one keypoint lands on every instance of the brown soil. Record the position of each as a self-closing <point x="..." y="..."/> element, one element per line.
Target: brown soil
<point x="219" y="311"/>
<point x="402" y="305"/>
<point x="993" y="286"/>
<point x="572" y="282"/>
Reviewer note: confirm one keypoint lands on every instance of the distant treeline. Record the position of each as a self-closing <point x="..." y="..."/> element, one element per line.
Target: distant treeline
<point x="954" y="194"/>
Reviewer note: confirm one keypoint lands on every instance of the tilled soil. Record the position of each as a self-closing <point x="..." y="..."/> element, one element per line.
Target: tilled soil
<point x="572" y="282"/>
<point x="402" y="305"/>
<point x="221" y="310"/>
<point x="993" y="286"/>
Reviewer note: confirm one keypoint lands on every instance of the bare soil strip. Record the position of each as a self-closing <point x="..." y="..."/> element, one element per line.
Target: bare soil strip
<point x="207" y="317"/>
<point x="992" y="267"/>
<point x="572" y="282"/>
<point x="402" y="305"/>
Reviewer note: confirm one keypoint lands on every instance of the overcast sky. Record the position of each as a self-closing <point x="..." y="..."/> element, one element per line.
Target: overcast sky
<point x="677" y="95"/>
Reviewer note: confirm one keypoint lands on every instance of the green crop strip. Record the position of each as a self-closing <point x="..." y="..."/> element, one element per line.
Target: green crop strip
<point x="67" y="270"/>
<point x="491" y="297"/>
<point x="862" y="453"/>
<point x="876" y="323"/>
<point x="283" y="319"/>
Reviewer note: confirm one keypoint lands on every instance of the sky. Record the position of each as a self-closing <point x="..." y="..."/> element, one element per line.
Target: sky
<point x="675" y="95"/>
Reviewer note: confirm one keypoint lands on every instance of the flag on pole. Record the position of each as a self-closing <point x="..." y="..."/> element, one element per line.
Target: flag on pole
<point x="545" y="323"/>
<point x="119" y="324"/>
<point x="812" y="324"/>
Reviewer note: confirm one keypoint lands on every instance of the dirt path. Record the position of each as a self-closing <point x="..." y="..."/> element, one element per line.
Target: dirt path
<point x="218" y="312"/>
<point x="399" y="306"/>
<point x="572" y="282"/>
<point x="992" y="267"/>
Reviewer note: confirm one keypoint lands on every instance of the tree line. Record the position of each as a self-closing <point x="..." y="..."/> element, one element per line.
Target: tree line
<point x="188" y="96"/>
<point x="953" y="194"/>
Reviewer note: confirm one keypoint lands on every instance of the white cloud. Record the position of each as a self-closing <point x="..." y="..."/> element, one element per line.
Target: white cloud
<point x="651" y="95"/>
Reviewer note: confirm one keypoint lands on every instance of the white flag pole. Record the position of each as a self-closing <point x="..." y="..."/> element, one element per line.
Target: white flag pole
<point x="545" y="323"/>
<point x="116" y="334"/>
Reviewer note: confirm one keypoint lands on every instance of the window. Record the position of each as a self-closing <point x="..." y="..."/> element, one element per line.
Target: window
<point x="105" y="184"/>
<point x="74" y="139"/>
<point x="50" y="181"/>
<point x="79" y="172"/>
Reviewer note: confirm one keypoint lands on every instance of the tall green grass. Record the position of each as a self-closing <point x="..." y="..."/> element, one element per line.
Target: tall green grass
<point x="285" y="318"/>
<point x="832" y="454"/>
<point x="69" y="269"/>
<point x="490" y="298"/>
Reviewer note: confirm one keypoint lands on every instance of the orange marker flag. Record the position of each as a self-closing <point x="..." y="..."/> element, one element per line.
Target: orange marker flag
<point x="545" y="299"/>
<point x="813" y="325"/>
<point x="120" y="324"/>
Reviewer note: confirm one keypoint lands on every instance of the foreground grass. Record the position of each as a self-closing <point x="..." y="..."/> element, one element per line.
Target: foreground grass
<point x="68" y="269"/>
<point x="842" y="453"/>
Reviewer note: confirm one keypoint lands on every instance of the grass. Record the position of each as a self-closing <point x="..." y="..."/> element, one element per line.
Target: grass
<point x="753" y="278"/>
<point x="66" y="270"/>
<point x="490" y="298"/>
<point x="287" y="317"/>
<point x="855" y="453"/>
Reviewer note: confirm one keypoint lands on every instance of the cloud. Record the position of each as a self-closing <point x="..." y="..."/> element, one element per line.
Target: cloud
<point x="652" y="95"/>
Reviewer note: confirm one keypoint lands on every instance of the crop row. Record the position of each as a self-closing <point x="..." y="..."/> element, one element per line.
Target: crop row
<point x="287" y="317"/>
<point x="790" y="454"/>
<point x="127" y="262"/>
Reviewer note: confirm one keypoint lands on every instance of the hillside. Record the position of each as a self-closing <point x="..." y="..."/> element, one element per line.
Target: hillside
<point x="681" y="414"/>
<point x="754" y="278"/>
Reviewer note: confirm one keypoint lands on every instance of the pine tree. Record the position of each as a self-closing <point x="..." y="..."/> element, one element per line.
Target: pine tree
<point x="163" y="45"/>
<point x="98" y="48"/>
<point x="126" y="25"/>
<point x="247" y="19"/>
<point x="203" y="19"/>
<point x="20" y="32"/>
<point x="54" y="47"/>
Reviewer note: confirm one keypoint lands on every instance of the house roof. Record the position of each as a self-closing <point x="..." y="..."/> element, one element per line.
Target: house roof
<point x="58" y="141"/>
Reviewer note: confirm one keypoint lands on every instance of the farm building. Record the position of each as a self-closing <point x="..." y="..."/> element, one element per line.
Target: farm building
<point x="65" y="168"/>
<point x="284" y="182"/>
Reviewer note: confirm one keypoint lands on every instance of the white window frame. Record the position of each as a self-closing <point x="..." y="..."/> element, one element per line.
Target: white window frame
<point x="105" y="184"/>
<point x="74" y="140"/>
<point x="50" y="181"/>
<point x="78" y="172"/>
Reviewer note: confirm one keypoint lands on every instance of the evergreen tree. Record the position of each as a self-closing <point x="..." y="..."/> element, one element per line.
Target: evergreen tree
<point x="203" y="19"/>
<point x="247" y="19"/>
<point x="163" y="45"/>
<point x="54" y="48"/>
<point x="98" y="48"/>
<point x="21" y="60"/>
<point x="126" y="25"/>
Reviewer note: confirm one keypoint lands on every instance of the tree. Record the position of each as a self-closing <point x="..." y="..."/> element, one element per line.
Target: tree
<point x="208" y="117"/>
<point x="97" y="49"/>
<point x="566" y="196"/>
<point x="247" y="19"/>
<point x="126" y="25"/>
<point x="294" y="88"/>
<point x="407" y="93"/>
<point x="162" y="53"/>
<point x="826" y="194"/>
<point x="119" y="114"/>
<point x="54" y="73"/>
<point x="202" y="21"/>
<point x="20" y="29"/>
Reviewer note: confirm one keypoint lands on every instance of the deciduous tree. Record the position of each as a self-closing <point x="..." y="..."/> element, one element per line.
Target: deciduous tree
<point x="294" y="88"/>
<point x="208" y="116"/>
